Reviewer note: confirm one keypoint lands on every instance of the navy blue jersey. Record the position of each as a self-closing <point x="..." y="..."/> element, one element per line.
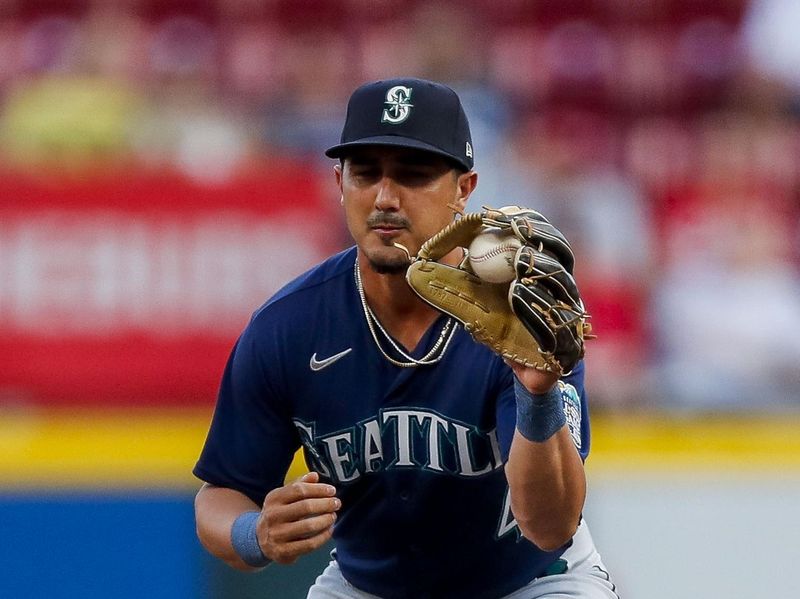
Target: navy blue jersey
<point x="416" y="454"/>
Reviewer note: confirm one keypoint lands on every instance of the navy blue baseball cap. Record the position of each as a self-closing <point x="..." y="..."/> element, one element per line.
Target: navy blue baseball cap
<point x="407" y="113"/>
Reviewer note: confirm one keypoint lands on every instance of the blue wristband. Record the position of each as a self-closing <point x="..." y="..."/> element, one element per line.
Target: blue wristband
<point x="245" y="541"/>
<point x="539" y="417"/>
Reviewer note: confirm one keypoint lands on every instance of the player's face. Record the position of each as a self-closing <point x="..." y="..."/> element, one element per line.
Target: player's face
<point x="398" y="195"/>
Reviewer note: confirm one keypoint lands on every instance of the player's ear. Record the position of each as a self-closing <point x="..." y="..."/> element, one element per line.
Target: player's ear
<point x="337" y="170"/>
<point x="465" y="185"/>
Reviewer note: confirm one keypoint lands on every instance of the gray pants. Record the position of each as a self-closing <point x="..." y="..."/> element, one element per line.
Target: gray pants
<point x="586" y="578"/>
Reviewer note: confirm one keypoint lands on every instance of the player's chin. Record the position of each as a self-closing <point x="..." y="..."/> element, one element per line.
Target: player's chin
<point x="388" y="261"/>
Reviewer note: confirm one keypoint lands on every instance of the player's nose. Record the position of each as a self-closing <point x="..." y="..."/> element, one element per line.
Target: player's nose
<point x="388" y="196"/>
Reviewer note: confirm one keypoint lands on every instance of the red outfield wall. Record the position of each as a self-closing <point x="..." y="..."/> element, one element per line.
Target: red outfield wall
<point x="132" y="290"/>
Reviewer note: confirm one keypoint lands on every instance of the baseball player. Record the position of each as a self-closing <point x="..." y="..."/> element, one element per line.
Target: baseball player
<point x="439" y="468"/>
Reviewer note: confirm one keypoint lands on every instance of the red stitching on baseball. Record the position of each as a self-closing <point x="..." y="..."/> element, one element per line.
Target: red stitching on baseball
<point x="500" y="249"/>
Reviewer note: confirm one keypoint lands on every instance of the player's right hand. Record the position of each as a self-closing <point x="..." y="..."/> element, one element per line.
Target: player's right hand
<point x="297" y="518"/>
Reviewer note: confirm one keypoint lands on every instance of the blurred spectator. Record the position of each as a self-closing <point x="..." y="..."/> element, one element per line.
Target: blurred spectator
<point x="252" y="60"/>
<point x="68" y="121"/>
<point x="114" y="43"/>
<point x="201" y="139"/>
<point x="302" y="115"/>
<point x="728" y="297"/>
<point x="770" y="34"/>
<point x="182" y="46"/>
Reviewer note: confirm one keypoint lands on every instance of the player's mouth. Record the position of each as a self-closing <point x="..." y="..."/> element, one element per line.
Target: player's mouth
<point x="387" y="231"/>
<point x="387" y="226"/>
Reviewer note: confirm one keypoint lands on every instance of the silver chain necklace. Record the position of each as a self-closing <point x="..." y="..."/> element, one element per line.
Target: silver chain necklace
<point x="445" y="336"/>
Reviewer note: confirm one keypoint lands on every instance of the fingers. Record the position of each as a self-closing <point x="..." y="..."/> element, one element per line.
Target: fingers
<point x="310" y="477"/>
<point x="298" y="501"/>
<point x="287" y="553"/>
<point x="290" y="531"/>
<point x="284" y="541"/>
<point x="305" y="487"/>
<point x="297" y="518"/>
<point x="307" y="508"/>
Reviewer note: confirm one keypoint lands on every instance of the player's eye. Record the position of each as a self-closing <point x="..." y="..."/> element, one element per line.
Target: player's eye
<point x="416" y="176"/>
<point x="365" y="172"/>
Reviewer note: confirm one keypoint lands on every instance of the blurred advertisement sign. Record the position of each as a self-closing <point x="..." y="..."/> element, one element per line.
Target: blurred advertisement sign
<point x="133" y="292"/>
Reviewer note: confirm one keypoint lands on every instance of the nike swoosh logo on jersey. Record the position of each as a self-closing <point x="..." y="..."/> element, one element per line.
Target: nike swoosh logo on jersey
<point x="317" y="365"/>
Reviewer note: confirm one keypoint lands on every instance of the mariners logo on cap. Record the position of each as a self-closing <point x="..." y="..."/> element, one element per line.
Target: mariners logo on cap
<point x="398" y="102"/>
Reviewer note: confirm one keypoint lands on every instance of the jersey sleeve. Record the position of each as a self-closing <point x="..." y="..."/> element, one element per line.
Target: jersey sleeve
<point x="576" y="408"/>
<point x="251" y="441"/>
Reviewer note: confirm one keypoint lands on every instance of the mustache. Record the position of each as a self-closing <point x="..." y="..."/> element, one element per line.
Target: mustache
<point x="387" y="219"/>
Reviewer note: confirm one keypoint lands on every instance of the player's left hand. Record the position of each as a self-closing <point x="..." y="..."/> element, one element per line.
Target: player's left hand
<point x="535" y="380"/>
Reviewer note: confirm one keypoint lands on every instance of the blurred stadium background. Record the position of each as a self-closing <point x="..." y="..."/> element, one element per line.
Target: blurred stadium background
<point x="161" y="173"/>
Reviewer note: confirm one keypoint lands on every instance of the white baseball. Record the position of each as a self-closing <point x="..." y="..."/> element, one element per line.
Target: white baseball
<point x="491" y="256"/>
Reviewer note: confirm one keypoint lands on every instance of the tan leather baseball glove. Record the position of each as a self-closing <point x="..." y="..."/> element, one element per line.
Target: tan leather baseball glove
<point x="538" y="319"/>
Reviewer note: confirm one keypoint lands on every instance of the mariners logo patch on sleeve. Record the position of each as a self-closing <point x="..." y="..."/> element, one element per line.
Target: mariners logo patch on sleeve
<point x="572" y="410"/>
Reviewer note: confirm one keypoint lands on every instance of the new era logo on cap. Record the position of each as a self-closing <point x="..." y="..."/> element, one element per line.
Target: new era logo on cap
<point x="411" y="113"/>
